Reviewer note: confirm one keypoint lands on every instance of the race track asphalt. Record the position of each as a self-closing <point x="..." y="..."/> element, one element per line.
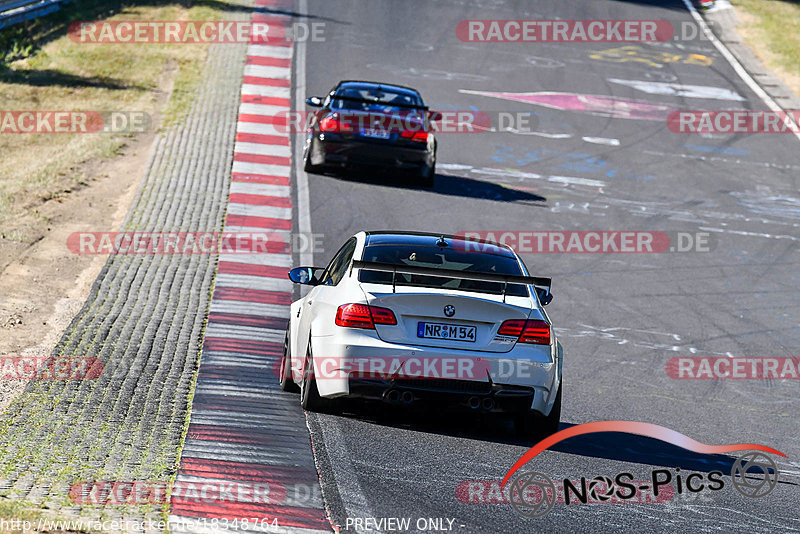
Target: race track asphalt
<point x="620" y="317"/>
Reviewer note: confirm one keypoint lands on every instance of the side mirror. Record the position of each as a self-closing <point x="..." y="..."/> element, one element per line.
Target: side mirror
<point x="434" y="115"/>
<point x="545" y="297"/>
<point x="314" y="101"/>
<point x="304" y="275"/>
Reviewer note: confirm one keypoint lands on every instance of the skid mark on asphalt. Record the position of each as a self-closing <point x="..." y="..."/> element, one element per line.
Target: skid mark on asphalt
<point x="244" y="432"/>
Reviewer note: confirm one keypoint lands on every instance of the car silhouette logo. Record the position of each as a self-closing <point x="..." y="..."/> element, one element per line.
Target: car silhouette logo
<point x="449" y="310"/>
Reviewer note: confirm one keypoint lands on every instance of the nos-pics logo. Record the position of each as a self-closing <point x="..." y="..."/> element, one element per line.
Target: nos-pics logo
<point x="533" y="494"/>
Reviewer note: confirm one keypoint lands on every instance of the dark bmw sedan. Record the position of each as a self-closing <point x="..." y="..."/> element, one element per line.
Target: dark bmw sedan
<point x="368" y="124"/>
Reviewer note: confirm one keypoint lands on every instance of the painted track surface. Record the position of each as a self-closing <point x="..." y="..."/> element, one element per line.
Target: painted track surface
<point x="620" y="317"/>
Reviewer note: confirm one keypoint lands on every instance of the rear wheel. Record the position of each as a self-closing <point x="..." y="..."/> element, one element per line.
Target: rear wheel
<point x="287" y="383"/>
<point x="537" y="426"/>
<point x="426" y="176"/>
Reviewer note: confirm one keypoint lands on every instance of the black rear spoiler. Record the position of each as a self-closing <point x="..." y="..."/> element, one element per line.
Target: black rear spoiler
<point x="505" y="279"/>
<point x="373" y="101"/>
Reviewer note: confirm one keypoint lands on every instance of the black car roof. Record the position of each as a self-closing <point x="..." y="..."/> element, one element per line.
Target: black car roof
<point x="394" y="87"/>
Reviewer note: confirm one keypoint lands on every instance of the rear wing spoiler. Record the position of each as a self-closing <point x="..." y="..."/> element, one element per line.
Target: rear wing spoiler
<point x="384" y="102"/>
<point x="453" y="274"/>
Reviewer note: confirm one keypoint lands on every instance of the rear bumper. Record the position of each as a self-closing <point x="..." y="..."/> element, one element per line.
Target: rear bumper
<point x="332" y="152"/>
<point x="478" y="396"/>
<point x="359" y="364"/>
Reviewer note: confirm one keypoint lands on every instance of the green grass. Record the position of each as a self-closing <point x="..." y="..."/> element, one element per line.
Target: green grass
<point x="770" y="28"/>
<point x="42" y="69"/>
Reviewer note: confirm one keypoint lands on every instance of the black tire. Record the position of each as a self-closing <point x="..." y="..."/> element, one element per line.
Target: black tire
<point x="426" y="176"/>
<point x="310" y="398"/>
<point x="534" y="425"/>
<point x="307" y="165"/>
<point x="287" y="384"/>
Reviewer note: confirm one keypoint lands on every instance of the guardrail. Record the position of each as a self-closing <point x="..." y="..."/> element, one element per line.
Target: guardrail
<point x="16" y="11"/>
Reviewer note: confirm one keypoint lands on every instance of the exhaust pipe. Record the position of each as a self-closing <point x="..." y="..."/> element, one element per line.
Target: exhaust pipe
<point x="407" y="397"/>
<point x="474" y="402"/>
<point x="392" y="396"/>
<point x="487" y="404"/>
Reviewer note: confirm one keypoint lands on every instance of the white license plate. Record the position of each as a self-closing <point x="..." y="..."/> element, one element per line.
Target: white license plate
<point x="452" y="332"/>
<point x="377" y="134"/>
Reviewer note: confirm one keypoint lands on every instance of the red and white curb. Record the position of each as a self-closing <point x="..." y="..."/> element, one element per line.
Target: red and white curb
<point x="243" y="431"/>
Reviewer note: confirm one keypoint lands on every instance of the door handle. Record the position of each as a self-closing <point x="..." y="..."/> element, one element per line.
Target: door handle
<point x="309" y="302"/>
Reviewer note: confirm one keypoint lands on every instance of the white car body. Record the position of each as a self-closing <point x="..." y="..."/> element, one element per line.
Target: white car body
<point x="337" y="351"/>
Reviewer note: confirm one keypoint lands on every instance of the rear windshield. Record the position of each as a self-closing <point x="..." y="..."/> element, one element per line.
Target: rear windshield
<point x="442" y="258"/>
<point x="373" y="99"/>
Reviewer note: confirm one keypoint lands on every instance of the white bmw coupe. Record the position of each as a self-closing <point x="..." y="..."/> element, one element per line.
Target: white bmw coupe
<point x="403" y="317"/>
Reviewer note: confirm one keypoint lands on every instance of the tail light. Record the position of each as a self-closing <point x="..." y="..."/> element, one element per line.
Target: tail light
<point x="363" y="316"/>
<point x="415" y="136"/>
<point x="335" y="124"/>
<point x="530" y="331"/>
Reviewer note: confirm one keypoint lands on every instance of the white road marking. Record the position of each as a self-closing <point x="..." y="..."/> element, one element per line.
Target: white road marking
<point x="538" y="134"/>
<point x="265" y="90"/>
<point x="254" y="333"/>
<point x="681" y="90"/>
<point x="270" y="190"/>
<point x="262" y="109"/>
<point x="260" y="168"/>
<point x="261" y="128"/>
<point x="283" y="52"/>
<point x="601" y="141"/>
<point x="249" y="308"/>
<point x="279" y="260"/>
<point x="262" y="149"/>
<point x="264" y="283"/>
<point x="270" y="212"/>
<point x="263" y="71"/>
<point x="521" y="175"/>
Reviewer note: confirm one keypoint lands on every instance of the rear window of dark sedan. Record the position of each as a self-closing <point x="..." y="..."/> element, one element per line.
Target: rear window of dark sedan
<point x="443" y="258"/>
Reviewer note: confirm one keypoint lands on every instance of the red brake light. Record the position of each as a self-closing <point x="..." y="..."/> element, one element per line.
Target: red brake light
<point x="363" y="316"/>
<point x="335" y="124"/>
<point x="415" y="136"/>
<point x="382" y="315"/>
<point x="512" y="327"/>
<point x="530" y="331"/>
<point x="536" y="332"/>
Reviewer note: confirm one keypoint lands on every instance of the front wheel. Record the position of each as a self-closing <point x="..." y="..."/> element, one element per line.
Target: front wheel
<point x="287" y="382"/>
<point x="307" y="165"/>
